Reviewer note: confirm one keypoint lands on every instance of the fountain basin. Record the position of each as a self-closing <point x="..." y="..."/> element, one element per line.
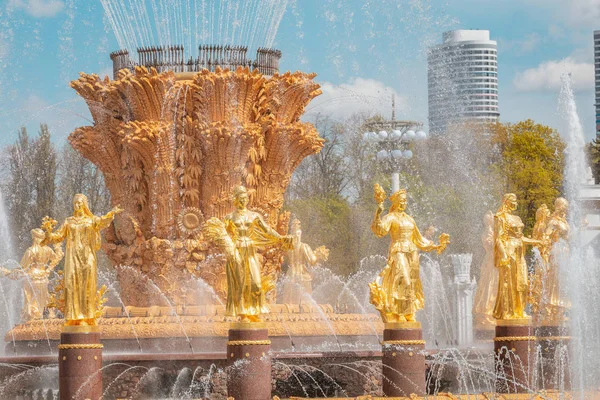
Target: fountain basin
<point x="203" y="329"/>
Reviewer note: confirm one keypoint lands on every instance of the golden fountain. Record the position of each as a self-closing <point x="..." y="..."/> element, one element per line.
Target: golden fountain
<point x="173" y="138"/>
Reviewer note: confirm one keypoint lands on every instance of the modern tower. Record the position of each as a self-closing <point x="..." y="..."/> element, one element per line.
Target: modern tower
<point x="597" y="75"/>
<point x="463" y="79"/>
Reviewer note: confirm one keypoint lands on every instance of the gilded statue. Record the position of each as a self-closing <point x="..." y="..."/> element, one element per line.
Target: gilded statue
<point x="485" y="297"/>
<point x="536" y="279"/>
<point x="552" y="305"/>
<point x="81" y="232"/>
<point x="37" y="264"/>
<point x="509" y="258"/>
<point x="397" y="293"/>
<point x="239" y="236"/>
<point x="301" y="259"/>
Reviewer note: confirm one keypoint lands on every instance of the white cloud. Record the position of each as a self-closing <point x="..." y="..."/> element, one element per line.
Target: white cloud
<point x="39" y="8"/>
<point x="360" y="95"/>
<point x="546" y="76"/>
<point x="573" y="12"/>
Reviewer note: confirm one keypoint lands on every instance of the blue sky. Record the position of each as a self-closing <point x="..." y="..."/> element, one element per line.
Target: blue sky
<point x="362" y="52"/>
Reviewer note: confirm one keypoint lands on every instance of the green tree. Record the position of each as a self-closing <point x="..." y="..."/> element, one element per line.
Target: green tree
<point x="323" y="175"/>
<point x="532" y="165"/>
<point x="30" y="187"/>
<point x="79" y="175"/>
<point x="19" y="190"/>
<point x="593" y="154"/>
<point x="44" y="174"/>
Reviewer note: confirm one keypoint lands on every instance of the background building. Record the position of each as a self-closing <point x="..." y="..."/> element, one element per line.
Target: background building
<point x="597" y="71"/>
<point x="463" y="79"/>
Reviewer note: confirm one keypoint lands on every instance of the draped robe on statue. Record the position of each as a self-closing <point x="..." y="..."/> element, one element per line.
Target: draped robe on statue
<point x="485" y="297"/>
<point x="400" y="279"/>
<point x="554" y="299"/>
<point x="248" y="232"/>
<point x="82" y="235"/>
<point x="509" y="257"/>
<point x="35" y="265"/>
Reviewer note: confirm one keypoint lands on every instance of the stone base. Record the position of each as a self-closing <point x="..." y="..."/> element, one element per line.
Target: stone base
<point x="159" y="330"/>
<point x="554" y="343"/>
<point x="513" y="347"/>
<point x="403" y="361"/>
<point x="79" y="365"/>
<point x="249" y="362"/>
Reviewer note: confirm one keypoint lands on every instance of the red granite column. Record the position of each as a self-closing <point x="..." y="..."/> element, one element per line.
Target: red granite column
<point x="403" y="360"/>
<point x="513" y="346"/>
<point x="554" y="366"/>
<point x="80" y="363"/>
<point x="249" y="362"/>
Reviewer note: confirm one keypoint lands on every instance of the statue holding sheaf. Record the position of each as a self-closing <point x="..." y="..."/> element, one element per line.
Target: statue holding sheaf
<point x="240" y="235"/>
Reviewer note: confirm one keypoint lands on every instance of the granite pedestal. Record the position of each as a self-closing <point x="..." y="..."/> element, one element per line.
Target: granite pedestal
<point x="249" y="362"/>
<point x="80" y="364"/>
<point x="403" y="360"/>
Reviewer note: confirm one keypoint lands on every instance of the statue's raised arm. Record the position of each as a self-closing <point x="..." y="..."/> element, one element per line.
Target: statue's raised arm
<point x="81" y="299"/>
<point x="397" y="292"/>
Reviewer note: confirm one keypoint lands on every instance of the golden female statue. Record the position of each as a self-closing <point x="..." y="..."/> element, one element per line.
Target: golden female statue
<point x="240" y="235"/>
<point x="301" y="259"/>
<point x="537" y="278"/>
<point x="553" y="303"/>
<point x="509" y="258"/>
<point x="37" y="264"/>
<point x="82" y="235"/>
<point x="397" y="292"/>
<point x="541" y="221"/>
<point x="485" y="297"/>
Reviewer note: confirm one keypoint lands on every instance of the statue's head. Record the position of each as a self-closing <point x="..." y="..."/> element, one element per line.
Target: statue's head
<point x="80" y="204"/>
<point x="240" y="197"/>
<point x="542" y="213"/>
<point x="398" y="200"/>
<point x="509" y="202"/>
<point x="37" y="235"/>
<point x="561" y="205"/>
<point x="295" y="228"/>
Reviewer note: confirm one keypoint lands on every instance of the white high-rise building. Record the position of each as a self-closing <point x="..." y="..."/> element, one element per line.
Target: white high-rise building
<point x="597" y="71"/>
<point x="463" y="79"/>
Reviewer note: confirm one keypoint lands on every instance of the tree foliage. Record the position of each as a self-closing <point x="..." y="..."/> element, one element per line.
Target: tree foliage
<point x="79" y="175"/>
<point x="532" y="165"/>
<point x="44" y="174"/>
<point x="593" y="155"/>
<point x="18" y="190"/>
<point x="453" y="180"/>
<point x="39" y="183"/>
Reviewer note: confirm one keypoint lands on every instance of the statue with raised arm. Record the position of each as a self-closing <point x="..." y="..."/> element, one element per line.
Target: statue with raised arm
<point x="81" y="232"/>
<point x="485" y="297"/>
<point x="509" y="258"/>
<point x="240" y="235"/>
<point x="397" y="292"/>
<point x="37" y="264"/>
<point x="301" y="259"/>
